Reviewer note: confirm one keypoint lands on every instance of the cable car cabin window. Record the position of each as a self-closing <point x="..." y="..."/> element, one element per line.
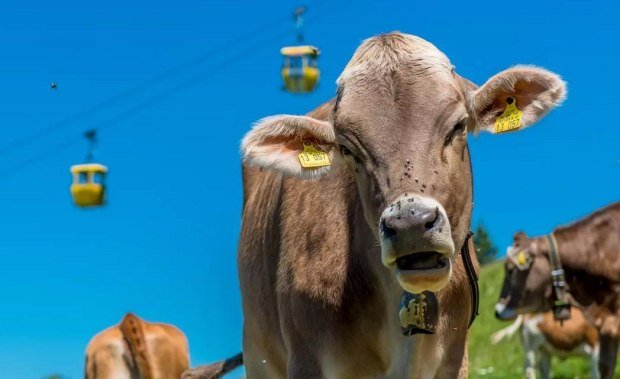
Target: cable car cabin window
<point x="312" y="62"/>
<point x="296" y="66"/>
<point x="296" y="62"/>
<point x="83" y="177"/>
<point x="99" y="178"/>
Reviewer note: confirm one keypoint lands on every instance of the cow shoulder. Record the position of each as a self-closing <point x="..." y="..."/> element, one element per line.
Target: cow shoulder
<point x="316" y="234"/>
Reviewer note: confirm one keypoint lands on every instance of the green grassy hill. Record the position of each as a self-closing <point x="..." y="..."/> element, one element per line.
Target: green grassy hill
<point x="505" y="360"/>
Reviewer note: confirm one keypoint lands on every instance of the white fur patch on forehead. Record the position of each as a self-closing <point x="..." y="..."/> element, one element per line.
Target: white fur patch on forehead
<point x="391" y="51"/>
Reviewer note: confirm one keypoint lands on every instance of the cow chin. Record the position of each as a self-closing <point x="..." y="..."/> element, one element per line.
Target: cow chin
<point x="417" y="281"/>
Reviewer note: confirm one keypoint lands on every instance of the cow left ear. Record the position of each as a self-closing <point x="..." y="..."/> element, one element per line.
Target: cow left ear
<point x="516" y="98"/>
<point x="299" y="146"/>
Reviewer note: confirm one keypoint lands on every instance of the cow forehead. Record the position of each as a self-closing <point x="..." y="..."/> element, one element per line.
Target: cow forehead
<point x="397" y="73"/>
<point x="393" y="51"/>
<point x="393" y="103"/>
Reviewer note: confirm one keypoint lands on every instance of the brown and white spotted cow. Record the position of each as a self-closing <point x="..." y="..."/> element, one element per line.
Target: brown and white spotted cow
<point x="325" y="252"/>
<point x="543" y="337"/>
<point x="136" y="349"/>
<point x="589" y="252"/>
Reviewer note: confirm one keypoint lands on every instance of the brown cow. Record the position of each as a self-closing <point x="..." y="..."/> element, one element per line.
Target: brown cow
<point x="589" y="251"/>
<point x="543" y="337"/>
<point x="368" y="195"/>
<point x="136" y="349"/>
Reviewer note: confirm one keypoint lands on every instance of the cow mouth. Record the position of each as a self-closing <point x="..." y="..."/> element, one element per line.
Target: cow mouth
<point x="423" y="271"/>
<point x="502" y="312"/>
<point x="426" y="260"/>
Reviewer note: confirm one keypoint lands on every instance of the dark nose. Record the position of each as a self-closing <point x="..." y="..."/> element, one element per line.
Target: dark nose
<point x="497" y="315"/>
<point x="410" y="218"/>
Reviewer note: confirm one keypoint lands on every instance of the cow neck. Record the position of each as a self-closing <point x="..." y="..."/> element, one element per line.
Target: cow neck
<point x="577" y="258"/>
<point x="583" y="285"/>
<point x="561" y="305"/>
<point x="414" y="321"/>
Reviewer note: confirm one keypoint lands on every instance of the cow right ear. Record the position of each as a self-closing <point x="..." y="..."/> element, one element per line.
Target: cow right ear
<point x="517" y="98"/>
<point x="299" y="146"/>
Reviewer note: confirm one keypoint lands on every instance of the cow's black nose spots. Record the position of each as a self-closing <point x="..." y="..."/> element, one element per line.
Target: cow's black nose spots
<point x="386" y="230"/>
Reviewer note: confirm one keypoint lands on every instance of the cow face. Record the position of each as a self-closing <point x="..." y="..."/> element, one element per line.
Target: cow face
<point x="399" y="126"/>
<point x="527" y="286"/>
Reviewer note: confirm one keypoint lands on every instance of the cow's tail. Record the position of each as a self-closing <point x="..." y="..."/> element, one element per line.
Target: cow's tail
<point x="133" y="332"/>
<point x="508" y="331"/>
<point x="214" y="370"/>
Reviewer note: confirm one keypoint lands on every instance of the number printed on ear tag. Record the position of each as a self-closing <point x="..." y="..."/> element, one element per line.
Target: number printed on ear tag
<point x="311" y="157"/>
<point x="510" y="119"/>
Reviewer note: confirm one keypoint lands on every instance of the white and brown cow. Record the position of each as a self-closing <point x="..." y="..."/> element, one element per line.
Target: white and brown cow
<point x="137" y="349"/>
<point x="589" y="252"/>
<point x="543" y="337"/>
<point x="325" y="252"/>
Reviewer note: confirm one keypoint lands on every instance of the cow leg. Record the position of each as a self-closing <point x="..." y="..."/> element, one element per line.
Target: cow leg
<point x="261" y="357"/>
<point x="529" y="351"/>
<point x="608" y="355"/>
<point x="303" y="365"/>
<point x="544" y="365"/>
<point x="530" y="364"/>
<point x="594" y="362"/>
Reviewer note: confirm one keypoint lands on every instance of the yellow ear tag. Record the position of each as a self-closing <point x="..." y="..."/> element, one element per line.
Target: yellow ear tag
<point x="510" y="119"/>
<point x="311" y="157"/>
<point x="521" y="259"/>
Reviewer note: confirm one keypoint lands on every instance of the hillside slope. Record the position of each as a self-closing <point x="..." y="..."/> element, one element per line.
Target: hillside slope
<point x="505" y="360"/>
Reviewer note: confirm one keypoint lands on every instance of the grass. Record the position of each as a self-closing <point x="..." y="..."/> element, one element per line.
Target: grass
<point x="505" y="360"/>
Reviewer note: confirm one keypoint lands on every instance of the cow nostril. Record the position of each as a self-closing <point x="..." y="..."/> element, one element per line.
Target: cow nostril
<point x="429" y="224"/>
<point x="386" y="230"/>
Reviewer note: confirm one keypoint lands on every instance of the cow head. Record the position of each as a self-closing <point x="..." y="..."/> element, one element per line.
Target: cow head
<point x="399" y="126"/>
<point x="527" y="286"/>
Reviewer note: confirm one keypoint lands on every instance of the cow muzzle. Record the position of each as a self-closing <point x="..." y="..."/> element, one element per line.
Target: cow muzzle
<point x="502" y="312"/>
<point x="416" y="241"/>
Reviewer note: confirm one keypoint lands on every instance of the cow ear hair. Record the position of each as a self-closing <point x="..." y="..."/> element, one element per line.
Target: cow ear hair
<point x="525" y="93"/>
<point x="277" y="143"/>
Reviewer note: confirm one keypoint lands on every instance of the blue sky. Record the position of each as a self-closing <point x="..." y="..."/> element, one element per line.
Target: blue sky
<point x="165" y="245"/>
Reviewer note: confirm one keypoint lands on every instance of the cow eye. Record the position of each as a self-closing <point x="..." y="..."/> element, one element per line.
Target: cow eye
<point x="345" y="150"/>
<point x="458" y="129"/>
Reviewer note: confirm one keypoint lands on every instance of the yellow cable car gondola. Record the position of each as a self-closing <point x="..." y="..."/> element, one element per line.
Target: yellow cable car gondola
<point x="300" y="70"/>
<point x="88" y="188"/>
